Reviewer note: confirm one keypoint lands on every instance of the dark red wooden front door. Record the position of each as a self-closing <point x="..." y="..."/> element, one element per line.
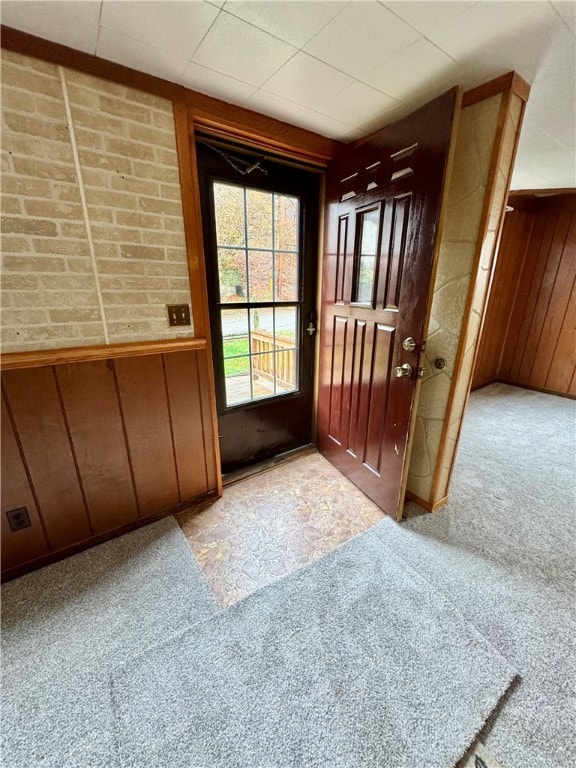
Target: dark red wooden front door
<point x="383" y="206"/>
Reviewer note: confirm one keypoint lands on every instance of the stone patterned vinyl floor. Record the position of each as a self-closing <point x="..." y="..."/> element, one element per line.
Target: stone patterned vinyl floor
<point x="269" y="524"/>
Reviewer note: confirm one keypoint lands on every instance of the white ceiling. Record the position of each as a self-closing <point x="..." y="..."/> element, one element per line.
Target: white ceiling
<point x="341" y="69"/>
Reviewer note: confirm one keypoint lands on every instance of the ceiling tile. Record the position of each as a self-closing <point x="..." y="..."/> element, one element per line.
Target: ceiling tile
<point x="357" y="104"/>
<point x="282" y="109"/>
<point x="413" y="69"/>
<point x="306" y="81"/>
<point x="215" y="84"/>
<point x="293" y="22"/>
<point x="175" y="27"/>
<point x="238" y="49"/>
<point x="133" y="53"/>
<point x="524" y="179"/>
<point x="362" y="36"/>
<point x="72" y="24"/>
<point x="427" y="16"/>
<point x="493" y="24"/>
<point x="558" y="165"/>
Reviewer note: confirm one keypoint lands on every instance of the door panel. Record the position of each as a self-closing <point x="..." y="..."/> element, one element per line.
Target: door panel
<point x="260" y="241"/>
<point x="383" y="207"/>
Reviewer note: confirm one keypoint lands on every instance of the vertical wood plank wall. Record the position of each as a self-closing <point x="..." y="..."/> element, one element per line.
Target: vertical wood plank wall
<point x="529" y="336"/>
<point x="97" y="447"/>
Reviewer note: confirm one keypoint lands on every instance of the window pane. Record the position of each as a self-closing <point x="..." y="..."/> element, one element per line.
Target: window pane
<point x="286" y="223"/>
<point x="260" y="269"/>
<point x="259" y="218"/>
<point x="286" y="269"/>
<point x="263" y="373"/>
<point x="232" y="275"/>
<point x="238" y="388"/>
<point x="366" y="261"/>
<point x="229" y="214"/>
<point x="286" y="324"/>
<point x="286" y="371"/>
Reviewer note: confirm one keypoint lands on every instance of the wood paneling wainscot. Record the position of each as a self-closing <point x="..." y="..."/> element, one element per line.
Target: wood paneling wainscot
<point x="528" y="337"/>
<point x="96" y="448"/>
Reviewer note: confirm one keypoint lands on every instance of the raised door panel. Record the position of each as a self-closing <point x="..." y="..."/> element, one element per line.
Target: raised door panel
<point x="34" y="400"/>
<point x="91" y="406"/>
<point x="29" y="543"/>
<point x="144" y="402"/>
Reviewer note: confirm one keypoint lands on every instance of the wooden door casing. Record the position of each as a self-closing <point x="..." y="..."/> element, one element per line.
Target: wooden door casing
<point x="364" y="412"/>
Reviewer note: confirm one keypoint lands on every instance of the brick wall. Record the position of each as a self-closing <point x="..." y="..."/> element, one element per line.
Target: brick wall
<point x="93" y="242"/>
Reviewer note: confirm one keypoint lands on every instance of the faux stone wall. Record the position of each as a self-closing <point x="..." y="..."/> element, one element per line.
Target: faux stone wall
<point x="92" y="231"/>
<point x="452" y="334"/>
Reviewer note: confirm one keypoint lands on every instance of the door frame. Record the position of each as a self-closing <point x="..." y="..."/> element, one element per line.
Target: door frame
<point x="308" y="189"/>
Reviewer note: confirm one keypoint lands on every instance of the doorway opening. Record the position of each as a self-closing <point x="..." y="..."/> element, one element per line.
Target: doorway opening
<point x="260" y="219"/>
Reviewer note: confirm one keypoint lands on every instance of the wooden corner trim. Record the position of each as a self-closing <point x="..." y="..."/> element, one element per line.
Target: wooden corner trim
<point x="511" y="81"/>
<point x="10" y="361"/>
<point x="209" y="112"/>
<point x="427" y="505"/>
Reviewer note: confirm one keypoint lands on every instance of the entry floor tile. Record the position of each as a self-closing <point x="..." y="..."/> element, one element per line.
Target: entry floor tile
<point x="267" y="525"/>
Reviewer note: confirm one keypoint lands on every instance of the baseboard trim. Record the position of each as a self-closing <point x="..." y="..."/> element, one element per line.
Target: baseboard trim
<point x="427" y="505"/>
<point x="61" y="554"/>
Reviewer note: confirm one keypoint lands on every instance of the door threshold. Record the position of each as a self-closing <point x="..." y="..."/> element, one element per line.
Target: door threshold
<point x="262" y="466"/>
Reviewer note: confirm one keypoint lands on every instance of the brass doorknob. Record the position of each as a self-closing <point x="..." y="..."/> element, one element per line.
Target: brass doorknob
<point x="403" y="371"/>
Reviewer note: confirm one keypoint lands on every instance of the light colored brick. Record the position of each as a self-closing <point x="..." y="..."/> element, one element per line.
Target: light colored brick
<point x="168" y="239"/>
<point x="16" y="244"/>
<point x="79" y="95"/>
<point x="34" y="126"/>
<point x="92" y="333"/>
<point x="45" y="334"/>
<point x="153" y="171"/>
<point x="91" y="177"/>
<point x="116" y="234"/>
<point x="173" y="224"/>
<point x="179" y="284"/>
<point x="171" y="192"/>
<point x="166" y="156"/>
<point x="33" y="264"/>
<point x="126" y="331"/>
<point x="160" y="205"/>
<point x="95" y="121"/>
<point x="168" y="269"/>
<point x="17" y="100"/>
<point x="61" y="247"/>
<point x="75" y="282"/>
<point x="103" y="161"/>
<point x="141" y="252"/>
<point x="74" y="315"/>
<point x="123" y="297"/>
<point x="129" y="148"/>
<point x="164" y="120"/>
<point x="140" y="220"/>
<point x="34" y="149"/>
<point x="154" y="136"/>
<point x="27" y="186"/>
<point x="31" y="82"/>
<point x="69" y="299"/>
<point x="88" y="139"/>
<point x="119" y="107"/>
<point x="35" y="65"/>
<point x="19" y="318"/>
<point x="101" y="213"/>
<point x="111" y="199"/>
<point x="70" y="229"/>
<point x="111" y="283"/>
<point x="136" y="186"/>
<point x="28" y="166"/>
<point x="53" y="209"/>
<point x="28" y="226"/>
<point x="80" y="265"/>
<point x="147" y="283"/>
<point x="110" y="267"/>
<point x="11" y="205"/>
<point x="19" y="282"/>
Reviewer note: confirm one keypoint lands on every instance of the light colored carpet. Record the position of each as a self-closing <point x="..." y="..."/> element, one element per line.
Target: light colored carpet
<point x="351" y="662"/>
<point x="503" y="550"/>
<point x="64" y="628"/>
